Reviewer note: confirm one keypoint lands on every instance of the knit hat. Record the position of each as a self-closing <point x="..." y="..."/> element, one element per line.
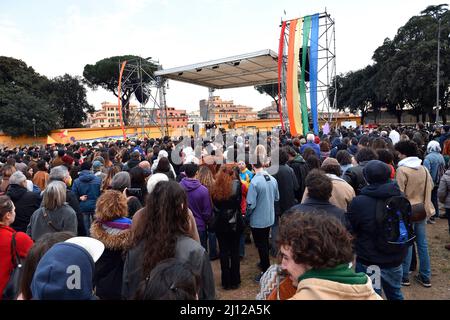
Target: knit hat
<point x="96" y="165"/>
<point x="317" y="140"/>
<point x="67" y="159"/>
<point x="330" y="162"/>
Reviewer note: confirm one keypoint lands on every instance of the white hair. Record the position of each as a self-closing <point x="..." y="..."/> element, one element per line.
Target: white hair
<point x="17" y="178"/>
<point x="58" y="173"/>
<point x="433" y="146"/>
<point x="310" y="137"/>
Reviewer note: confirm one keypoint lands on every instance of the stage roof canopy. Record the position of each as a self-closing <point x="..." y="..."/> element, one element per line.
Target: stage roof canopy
<point x="249" y="69"/>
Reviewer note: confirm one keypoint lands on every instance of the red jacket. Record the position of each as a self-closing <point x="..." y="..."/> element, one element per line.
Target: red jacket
<point x="23" y="244"/>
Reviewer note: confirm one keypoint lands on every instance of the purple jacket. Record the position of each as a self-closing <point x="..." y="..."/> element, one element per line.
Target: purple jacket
<point x="199" y="201"/>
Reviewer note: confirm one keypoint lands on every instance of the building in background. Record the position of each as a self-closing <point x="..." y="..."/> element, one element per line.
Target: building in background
<point x="269" y="112"/>
<point x="221" y="111"/>
<point x="108" y="116"/>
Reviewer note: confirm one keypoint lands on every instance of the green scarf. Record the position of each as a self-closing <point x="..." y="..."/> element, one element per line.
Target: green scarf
<point x="341" y="273"/>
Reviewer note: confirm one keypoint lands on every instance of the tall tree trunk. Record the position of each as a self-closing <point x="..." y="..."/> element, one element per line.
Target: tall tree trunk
<point x="424" y="117"/>
<point x="431" y="116"/>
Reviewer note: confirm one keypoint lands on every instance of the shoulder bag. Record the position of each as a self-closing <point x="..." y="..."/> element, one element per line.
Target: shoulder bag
<point x="12" y="288"/>
<point x="418" y="212"/>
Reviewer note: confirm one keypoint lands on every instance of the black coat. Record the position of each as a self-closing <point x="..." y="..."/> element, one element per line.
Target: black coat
<point x="225" y="209"/>
<point x="310" y="205"/>
<point x="301" y="171"/>
<point x="26" y="204"/>
<point x="287" y="188"/>
<point x="361" y="213"/>
<point x="72" y="201"/>
<point x="109" y="268"/>
<point x="355" y="177"/>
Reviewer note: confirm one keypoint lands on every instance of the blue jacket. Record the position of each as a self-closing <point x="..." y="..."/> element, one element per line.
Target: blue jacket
<point x="87" y="184"/>
<point x="432" y="162"/>
<point x="63" y="265"/>
<point x="362" y="213"/>
<point x="313" y="146"/>
<point x="261" y="198"/>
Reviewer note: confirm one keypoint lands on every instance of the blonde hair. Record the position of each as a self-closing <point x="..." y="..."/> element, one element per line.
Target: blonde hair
<point x="54" y="195"/>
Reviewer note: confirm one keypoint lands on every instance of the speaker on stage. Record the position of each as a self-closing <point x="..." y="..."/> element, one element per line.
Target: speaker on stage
<point x="307" y="63"/>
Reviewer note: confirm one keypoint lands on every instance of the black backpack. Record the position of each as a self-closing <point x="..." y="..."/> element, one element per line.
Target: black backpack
<point x="394" y="230"/>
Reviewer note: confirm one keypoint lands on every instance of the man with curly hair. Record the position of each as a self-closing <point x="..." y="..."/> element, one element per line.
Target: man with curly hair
<point x="316" y="252"/>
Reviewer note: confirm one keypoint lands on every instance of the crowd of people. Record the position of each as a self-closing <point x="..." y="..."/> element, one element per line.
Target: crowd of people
<point x="126" y="220"/>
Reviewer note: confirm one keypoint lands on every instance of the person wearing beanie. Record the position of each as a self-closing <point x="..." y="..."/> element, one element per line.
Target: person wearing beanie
<point x="112" y="228"/>
<point x="68" y="161"/>
<point x="362" y="215"/>
<point x="87" y="189"/>
<point x="66" y="270"/>
<point x="97" y="167"/>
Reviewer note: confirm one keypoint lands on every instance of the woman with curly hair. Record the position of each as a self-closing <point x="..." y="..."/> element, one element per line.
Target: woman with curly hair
<point x="162" y="233"/>
<point x="228" y="224"/>
<point x="316" y="252"/>
<point x="113" y="229"/>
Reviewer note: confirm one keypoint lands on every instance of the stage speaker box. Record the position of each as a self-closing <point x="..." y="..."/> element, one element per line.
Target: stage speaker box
<point x="307" y="63"/>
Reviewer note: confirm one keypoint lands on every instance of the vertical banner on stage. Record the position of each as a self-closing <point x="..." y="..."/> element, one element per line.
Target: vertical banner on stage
<point x="302" y="84"/>
<point x="290" y="74"/>
<point x="295" y="91"/>
<point x="314" y="60"/>
<point x="280" y="65"/>
<point x="120" y="100"/>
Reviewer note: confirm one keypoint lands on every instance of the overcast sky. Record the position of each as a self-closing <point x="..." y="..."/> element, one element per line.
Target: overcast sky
<point x="57" y="37"/>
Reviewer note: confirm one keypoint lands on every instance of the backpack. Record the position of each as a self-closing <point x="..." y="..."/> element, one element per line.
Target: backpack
<point x="439" y="173"/>
<point x="394" y="230"/>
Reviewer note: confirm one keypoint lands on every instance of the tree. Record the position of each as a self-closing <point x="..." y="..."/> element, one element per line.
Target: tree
<point x="24" y="96"/>
<point x="404" y="71"/>
<point x="68" y="99"/>
<point x="105" y="73"/>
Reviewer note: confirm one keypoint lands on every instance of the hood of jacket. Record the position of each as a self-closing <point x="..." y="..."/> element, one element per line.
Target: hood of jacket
<point x="115" y="235"/>
<point x="86" y="176"/>
<point x="298" y="158"/>
<point x="381" y="191"/>
<point x="320" y="289"/>
<point x="16" y="192"/>
<point x="411" y="162"/>
<point x="190" y="184"/>
<point x="65" y="272"/>
<point x="376" y="171"/>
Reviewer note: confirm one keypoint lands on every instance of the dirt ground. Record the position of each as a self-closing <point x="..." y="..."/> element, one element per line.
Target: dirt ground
<point x="438" y="237"/>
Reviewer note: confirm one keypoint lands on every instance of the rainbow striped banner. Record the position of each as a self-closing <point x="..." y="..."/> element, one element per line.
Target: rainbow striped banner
<point x="313" y="67"/>
<point x="292" y="92"/>
<point x="296" y="98"/>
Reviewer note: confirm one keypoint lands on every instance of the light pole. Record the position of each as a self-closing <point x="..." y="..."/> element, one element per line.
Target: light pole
<point x="438" y="70"/>
<point x="34" y="128"/>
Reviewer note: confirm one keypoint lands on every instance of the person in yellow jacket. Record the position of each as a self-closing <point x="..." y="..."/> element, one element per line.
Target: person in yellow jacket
<point x="316" y="252"/>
